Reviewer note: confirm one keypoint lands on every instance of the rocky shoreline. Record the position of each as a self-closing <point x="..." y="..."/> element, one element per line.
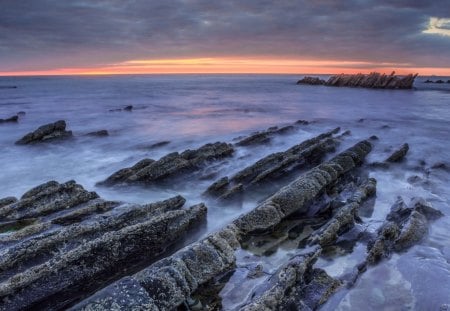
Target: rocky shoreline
<point x="64" y="246"/>
<point x="373" y="80"/>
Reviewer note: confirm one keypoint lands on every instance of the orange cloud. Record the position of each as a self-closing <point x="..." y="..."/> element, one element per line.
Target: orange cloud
<point x="237" y="66"/>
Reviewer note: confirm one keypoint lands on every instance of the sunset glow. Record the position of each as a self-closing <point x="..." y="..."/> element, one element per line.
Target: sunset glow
<point x="236" y="66"/>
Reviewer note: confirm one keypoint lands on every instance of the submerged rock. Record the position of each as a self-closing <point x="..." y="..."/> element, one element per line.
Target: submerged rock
<point x="399" y="154"/>
<point x="101" y="133"/>
<point x="48" y="132"/>
<point x="171" y="165"/>
<point x="12" y="119"/>
<point x="264" y="137"/>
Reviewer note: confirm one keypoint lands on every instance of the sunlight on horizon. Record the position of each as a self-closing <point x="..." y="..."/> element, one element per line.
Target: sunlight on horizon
<point x="236" y="65"/>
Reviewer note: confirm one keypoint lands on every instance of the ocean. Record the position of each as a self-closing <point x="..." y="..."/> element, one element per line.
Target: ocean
<point x="188" y="111"/>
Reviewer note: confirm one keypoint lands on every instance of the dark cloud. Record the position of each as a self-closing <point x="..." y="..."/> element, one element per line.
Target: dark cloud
<point x="43" y="34"/>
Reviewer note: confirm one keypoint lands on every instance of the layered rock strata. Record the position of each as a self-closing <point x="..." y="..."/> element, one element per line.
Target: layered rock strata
<point x="373" y="80"/>
<point x="75" y="242"/>
<point x="171" y="165"/>
<point x="169" y="282"/>
<point x="274" y="166"/>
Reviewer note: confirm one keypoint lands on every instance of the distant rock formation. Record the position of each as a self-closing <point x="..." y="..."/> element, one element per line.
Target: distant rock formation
<point x="373" y="80"/>
<point x="12" y="119"/>
<point x="46" y="132"/>
<point x="437" y="81"/>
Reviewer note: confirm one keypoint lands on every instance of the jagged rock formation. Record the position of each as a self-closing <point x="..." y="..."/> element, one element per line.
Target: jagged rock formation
<point x="274" y="165"/>
<point x="75" y="241"/>
<point x="373" y="80"/>
<point x="167" y="283"/>
<point x="62" y="243"/>
<point x="296" y="285"/>
<point x="345" y="217"/>
<point x="48" y="132"/>
<point x="171" y="165"/>
<point x="404" y="227"/>
<point x="12" y="119"/>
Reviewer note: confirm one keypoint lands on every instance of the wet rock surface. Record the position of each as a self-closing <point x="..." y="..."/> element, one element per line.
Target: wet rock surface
<point x="63" y="235"/>
<point x="48" y="132"/>
<point x="275" y="166"/>
<point x="12" y="119"/>
<point x="171" y="165"/>
<point x="373" y="80"/>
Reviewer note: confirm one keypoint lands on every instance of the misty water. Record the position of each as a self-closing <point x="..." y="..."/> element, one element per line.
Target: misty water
<point x="190" y="110"/>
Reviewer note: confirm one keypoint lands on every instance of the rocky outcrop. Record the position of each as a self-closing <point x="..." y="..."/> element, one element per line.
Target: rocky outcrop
<point x="167" y="283"/>
<point x="295" y="286"/>
<point x="48" y="132"/>
<point x="296" y="196"/>
<point x="405" y="226"/>
<point x="373" y="80"/>
<point x="76" y="242"/>
<point x="264" y="137"/>
<point x="311" y="81"/>
<point x="345" y="217"/>
<point x="274" y="166"/>
<point x="12" y="119"/>
<point x="399" y="154"/>
<point x="171" y="165"/>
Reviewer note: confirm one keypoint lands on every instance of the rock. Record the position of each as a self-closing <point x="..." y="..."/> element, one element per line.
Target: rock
<point x="311" y="81"/>
<point x="295" y="286"/>
<point x="302" y="122"/>
<point x="428" y="81"/>
<point x="7" y="201"/>
<point x="159" y="144"/>
<point x="21" y="113"/>
<point x="12" y="119"/>
<point x="372" y="80"/>
<point x="255" y="139"/>
<point x="101" y="133"/>
<point x="399" y="154"/>
<point x="171" y="165"/>
<point x="439" y="81"/>
<point x="405" y="226"/>
<point x="296" y="196"/>
<point x="172" y="280"/>
<point x="128" y="108"/>
<point x="264" y="137"/>
<point x="8" y="87"/>
<point x="48" y="132"/>
<point x="345" y="217"/>
<point x="276" y="165"/>
<point x="76" y="256"/>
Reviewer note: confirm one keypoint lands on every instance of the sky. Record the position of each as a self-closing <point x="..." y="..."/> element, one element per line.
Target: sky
<point x="230" y="36"/>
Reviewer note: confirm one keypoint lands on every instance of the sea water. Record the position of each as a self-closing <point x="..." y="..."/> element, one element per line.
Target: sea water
<point x="190" y="110"/>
